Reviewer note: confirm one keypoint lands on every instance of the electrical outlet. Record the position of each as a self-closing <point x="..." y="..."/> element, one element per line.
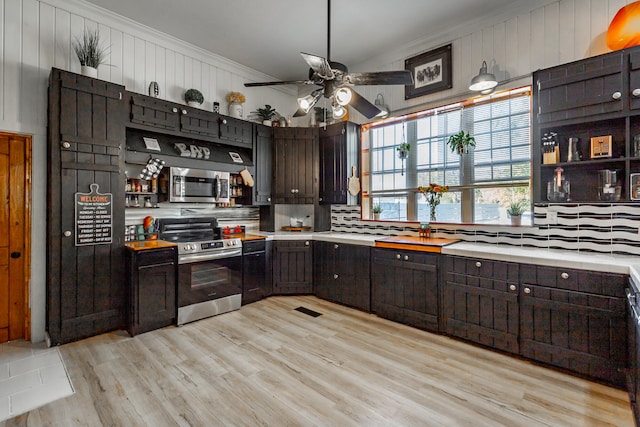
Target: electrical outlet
<point x="552" y="217"/>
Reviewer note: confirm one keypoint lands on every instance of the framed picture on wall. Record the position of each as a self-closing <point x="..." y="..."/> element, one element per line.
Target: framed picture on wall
<point x="431" y="72"/>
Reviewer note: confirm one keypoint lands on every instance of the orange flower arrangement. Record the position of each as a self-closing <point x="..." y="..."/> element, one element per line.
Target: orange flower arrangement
<point x="433" y="193"/>
<point x="235" y="97"/>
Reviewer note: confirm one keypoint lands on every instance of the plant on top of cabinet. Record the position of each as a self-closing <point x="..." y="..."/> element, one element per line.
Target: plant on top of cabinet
<point x="460" y="142"/>
<point x="266" y="114"/>
<point x="235" y="100"/>
<point x="193" y="97"/>
<point x="90" y="52"/>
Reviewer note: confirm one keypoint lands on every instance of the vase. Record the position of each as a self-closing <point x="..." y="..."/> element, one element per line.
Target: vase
<point x="235" y="110"/>
<point x="193" y="104"/>
<point x="89" y="71"/>
<point x="154" y="90"/>
<point x="376" y="216"/>
<point x="432" y="212"/>
<point x="516" y="220"/>
<point x="267" y="122"/>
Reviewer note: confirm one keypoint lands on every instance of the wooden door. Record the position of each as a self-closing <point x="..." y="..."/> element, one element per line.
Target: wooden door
<point x="14" y="225"/>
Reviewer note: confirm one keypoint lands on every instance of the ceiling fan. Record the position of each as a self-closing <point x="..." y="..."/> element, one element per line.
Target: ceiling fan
<point x="336" y="82"/>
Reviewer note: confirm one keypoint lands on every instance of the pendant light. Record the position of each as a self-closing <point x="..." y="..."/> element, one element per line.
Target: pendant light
<point x="484" y="81"/>
<point x="384" y="108"/>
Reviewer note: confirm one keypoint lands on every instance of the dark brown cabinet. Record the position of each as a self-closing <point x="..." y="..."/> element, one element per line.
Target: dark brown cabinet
<point x="236" y="132"/>
<point x="200" y="124"/>
<point x="341" y="274"/>
<point x="86" y="286"/>
<point x="152" y="289"/>
<point x="598" y="98"/>
<point x="292" y="267"/>
<point x="575" y="319"/>
<point x="480" y="302"/>
<point x="405" y="287"/>
<point x="295" y="165"/>
<point x="154" y="112"/>
<point x="263" y="161"/>
<point x="256" y="271"/>
<point x="339" y="154"/>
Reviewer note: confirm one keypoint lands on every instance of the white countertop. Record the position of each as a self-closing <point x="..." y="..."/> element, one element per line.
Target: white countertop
<point x="621" y="264"/>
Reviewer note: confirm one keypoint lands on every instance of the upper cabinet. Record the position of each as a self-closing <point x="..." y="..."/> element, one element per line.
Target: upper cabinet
<point x="586" y="116"/>
<point x="158" y="115"/>
<point x="295" y="165"/>
<point x="263" y="161"/>
<point x="339" y="154"/>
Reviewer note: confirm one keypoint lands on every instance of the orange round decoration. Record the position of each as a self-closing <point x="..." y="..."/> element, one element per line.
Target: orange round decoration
<point x="624" y="29"/>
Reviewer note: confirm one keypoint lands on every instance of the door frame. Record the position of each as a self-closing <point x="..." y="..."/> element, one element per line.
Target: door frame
<point x="28" y="173"/>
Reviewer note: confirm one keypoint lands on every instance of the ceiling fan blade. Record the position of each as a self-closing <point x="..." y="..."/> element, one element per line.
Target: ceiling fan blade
<point x="400" y="77"/>
<point x="290" y="82"/>
<point x="319" y="64"/>
<point x="366" y="108"/>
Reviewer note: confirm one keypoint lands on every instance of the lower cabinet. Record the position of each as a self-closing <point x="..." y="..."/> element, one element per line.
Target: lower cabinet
<point x="256" y="277"/>
<point x="405" y="287"/>
<point x="570" y="319"/>
<point x="575" y="319"/>
<point x="480" y="302"/>
<point x="341" y="274"/>
<point x="292" y="267"/>
<point x="152" y="289"/>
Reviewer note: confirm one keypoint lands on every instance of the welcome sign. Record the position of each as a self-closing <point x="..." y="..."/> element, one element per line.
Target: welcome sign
<point x="94" y="217"/>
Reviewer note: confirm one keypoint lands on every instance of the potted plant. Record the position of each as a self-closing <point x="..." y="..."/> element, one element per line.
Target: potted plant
<point x="266" y="114"/>
<point x="515" y="211"/>
<point x="193" y="97"/>
<point x="90" y="53"/>
<point x="235" y="100"/>
<point x="403" y="150"/>
<point x="377" y="210"/>
<point x="460" y="142"/>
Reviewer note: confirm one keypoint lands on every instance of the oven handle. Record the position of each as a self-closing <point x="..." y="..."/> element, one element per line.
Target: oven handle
<point x="190" y="258"/>
<point x="631" y="301"/>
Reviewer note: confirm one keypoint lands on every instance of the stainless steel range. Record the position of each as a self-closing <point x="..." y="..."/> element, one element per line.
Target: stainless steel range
<point x="209" y="267"/>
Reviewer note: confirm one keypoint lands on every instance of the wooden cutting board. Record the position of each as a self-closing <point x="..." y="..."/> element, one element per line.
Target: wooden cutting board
<point x="414" y="243"/>
<point x="354" y="182"/>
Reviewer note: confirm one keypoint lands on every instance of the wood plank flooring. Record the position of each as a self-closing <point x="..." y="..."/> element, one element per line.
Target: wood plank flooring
<point x="270" y="365"/>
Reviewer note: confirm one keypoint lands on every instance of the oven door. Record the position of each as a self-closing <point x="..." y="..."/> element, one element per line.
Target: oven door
<point x="209" y="280"/>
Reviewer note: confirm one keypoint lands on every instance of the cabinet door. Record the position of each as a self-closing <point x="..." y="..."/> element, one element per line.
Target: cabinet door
<point x="236" y="132"/>
<point x="583" y="88"/>
<point x="323" y="270"/>
<point x="295" y="172"/>
<point x="263" y="161"/>
<point x="478" y="307"/>
<point x="292" y="267"/>
<point x="333" y="158"/>
<point x="352" y="263"/>
<point x="254" y="277"/>
<point x="634" y="79"/>
<point x="405" y="287"/>
<point x="86" y="134"/>
<point x="154" y="112"/>
<point x="199" y="123"/>
<point x="579" y="331"/>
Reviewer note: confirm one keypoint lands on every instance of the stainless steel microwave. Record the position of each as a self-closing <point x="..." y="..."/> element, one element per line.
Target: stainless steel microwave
<point x="198" y="185"/>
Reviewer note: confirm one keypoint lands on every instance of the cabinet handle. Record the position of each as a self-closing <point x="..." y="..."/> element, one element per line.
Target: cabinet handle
<point x="335" y="246"/>
<point x="636" y="92"/>
<point x="335" y="276"/>
<point x="616" y="95"/>
<point x="223" y="121"/>
<point x="174" y="109"/>
<point x="293" y="190"/>
<point x="119" y="96"/>
<point x="527" y="290"/>
<point x="268" y="199"/>
<point x="67" y="233"/>
<point x="398" y="256"/>
<point x="478" y="264"/>
<point x="306" y="243"/>
<point x="66" y="145"/>
<point x="184" y="112"/>
<point x="512" y="287"/>
<point x="406" y="257"/>
<point x="565" y="276"/>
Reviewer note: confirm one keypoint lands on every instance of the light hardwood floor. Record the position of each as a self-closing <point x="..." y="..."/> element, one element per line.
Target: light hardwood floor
<point x="269" y="365"/>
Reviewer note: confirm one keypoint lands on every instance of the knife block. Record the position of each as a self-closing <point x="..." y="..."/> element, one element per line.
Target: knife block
<point x="552" y="157"/>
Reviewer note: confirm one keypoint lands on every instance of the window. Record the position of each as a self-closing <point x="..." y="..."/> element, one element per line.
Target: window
<point x="482" y="183"/>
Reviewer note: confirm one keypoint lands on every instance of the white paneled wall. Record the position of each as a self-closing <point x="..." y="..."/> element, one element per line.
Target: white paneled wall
<point x="533" y="37"/>
<point x="37" y="35"/>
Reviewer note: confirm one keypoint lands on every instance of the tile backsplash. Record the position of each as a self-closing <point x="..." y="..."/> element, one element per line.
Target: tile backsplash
<point x="605" y="228"/>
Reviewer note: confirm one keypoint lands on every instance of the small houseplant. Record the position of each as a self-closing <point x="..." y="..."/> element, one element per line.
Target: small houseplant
<point x="377" y="210"/>
<point x="266" y="113"/>
<point x="460" y="142"/>
<point x="403" y="150"/>
<point x="90" y="52"/>
<point x="193" y="97"/>
<point x="515" y="211"/>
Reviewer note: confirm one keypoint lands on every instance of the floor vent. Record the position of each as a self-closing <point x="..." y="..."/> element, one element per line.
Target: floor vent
<point x="308" y="312"/>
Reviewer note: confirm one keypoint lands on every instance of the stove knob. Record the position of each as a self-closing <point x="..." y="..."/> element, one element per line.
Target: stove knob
<point x="186" y="248"/>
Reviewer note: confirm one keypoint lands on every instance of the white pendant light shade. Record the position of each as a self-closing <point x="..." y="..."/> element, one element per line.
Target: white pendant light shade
<point x="339" y="111"/>
<point x="307" y="102"/>
<point x="343" y="96"/>
<point x="484" y="80"/>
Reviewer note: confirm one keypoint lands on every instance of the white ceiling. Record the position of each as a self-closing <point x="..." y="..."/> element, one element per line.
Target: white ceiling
<point x="268" y="35"/>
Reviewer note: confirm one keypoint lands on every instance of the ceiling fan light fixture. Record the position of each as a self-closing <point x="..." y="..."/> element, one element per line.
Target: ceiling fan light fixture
<point x="307" y="102"/>
<point x="484" y="80"/>
<point x="338" y="111"/>
<point x="343" y="96"/>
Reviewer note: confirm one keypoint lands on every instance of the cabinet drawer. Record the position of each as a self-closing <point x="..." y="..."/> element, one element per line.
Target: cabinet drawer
<point x="592" y="282"/>
<point x="254" y="246"/>
<point x="156" y="256"/>
<point x="405" y="256"/>
<point x="478" y="267"/>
